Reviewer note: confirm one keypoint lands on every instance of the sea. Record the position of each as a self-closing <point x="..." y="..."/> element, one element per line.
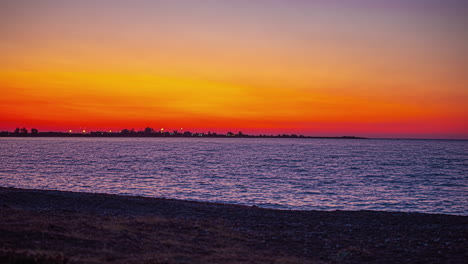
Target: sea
<point x="426" y="176"/>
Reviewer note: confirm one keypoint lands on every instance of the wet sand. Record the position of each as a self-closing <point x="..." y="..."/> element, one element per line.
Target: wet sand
<point x="39" y="226"/>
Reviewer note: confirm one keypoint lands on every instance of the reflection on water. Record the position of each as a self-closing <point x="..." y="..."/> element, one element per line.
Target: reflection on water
<point x="392" y="175"/>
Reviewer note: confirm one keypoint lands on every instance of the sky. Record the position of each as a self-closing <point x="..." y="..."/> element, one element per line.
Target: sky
<point x="381" y="68"/>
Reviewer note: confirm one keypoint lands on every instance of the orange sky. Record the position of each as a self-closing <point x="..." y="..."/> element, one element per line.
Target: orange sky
<point x="363" y="68"/>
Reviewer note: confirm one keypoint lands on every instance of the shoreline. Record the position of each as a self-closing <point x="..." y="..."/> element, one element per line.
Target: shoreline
<point x="222" y="137"/>
<point x="67" y="135"/>
<point x="71" y="227"/>
<point x="260" y="206"/>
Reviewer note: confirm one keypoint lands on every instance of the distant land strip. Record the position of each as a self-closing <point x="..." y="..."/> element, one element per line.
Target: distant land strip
<point x="149" y="132"/>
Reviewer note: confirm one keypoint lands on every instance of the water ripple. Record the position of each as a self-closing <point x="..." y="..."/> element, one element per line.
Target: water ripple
<point x="394" y="175"/>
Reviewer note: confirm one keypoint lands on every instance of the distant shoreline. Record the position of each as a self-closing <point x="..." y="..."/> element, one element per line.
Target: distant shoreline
<point x="163" y="135"/>
<point x="71" y="227"/>
<point x="77" y="135"/>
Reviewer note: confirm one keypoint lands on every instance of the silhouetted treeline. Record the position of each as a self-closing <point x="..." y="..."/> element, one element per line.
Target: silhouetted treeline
<point x="147" y="132"/>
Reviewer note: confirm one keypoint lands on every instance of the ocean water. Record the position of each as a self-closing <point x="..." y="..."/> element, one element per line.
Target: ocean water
<point x="429" y="176"/>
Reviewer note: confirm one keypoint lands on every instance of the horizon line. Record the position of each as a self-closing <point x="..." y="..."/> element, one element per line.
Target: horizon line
<point x="180" y="133"/>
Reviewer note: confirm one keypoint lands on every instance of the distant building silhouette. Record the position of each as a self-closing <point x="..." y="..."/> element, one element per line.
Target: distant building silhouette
<point x="149" y="130"/>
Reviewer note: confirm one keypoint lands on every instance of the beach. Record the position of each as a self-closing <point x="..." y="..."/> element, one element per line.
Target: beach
<point x="43" y="226"/>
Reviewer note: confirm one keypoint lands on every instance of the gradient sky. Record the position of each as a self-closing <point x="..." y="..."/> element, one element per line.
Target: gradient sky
<point x="395" y="68"/>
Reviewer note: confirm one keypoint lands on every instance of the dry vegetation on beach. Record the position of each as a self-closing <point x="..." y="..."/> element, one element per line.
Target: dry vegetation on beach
<point x="64" y="227"/>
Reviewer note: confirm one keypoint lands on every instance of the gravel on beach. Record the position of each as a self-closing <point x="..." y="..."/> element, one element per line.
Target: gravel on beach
<point x="43" y="226"/>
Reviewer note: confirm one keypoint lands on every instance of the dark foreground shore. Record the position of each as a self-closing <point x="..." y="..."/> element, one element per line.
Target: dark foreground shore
<point x="64" y="227"/>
